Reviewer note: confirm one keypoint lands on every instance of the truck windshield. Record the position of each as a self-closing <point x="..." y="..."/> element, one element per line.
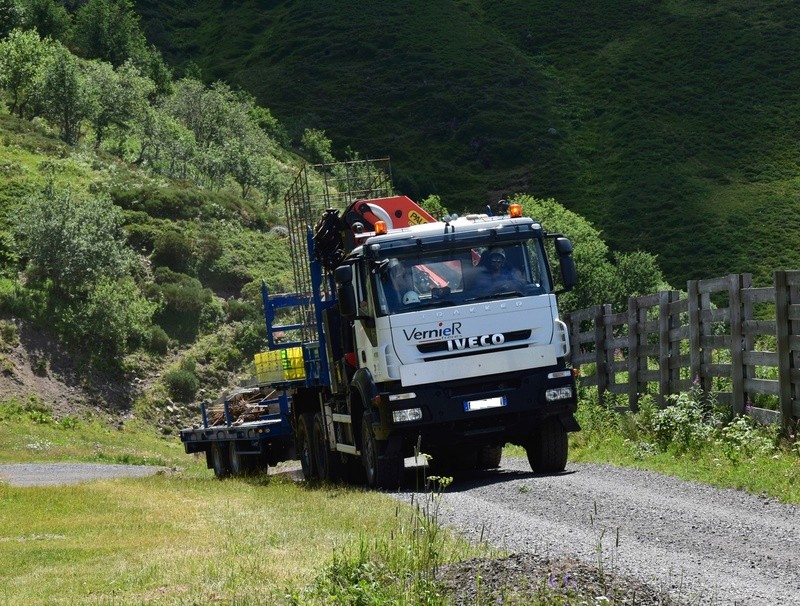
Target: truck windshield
<point x="461" y="276"/>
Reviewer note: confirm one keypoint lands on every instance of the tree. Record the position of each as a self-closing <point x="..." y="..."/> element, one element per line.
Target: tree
<point x="639" y="274"/>
<point x="230" y="140"/>
<point x="73" y="243"/>
<point x="22" y="54"/>
<point x="47" y="17"/>
<point x="317" y="146"/>
<point x="433" y="205"/>
<point x="118" y="98"/>
<point x="600" y="280"/>
<point x="11" y="16"/>
<point x="61" y="92"/>
<point x="109" y="30"/>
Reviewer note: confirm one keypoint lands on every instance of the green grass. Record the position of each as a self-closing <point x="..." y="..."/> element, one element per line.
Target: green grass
<point x="182" y="536"/>
<point x="181" y="540"/>
<point x="30" y="433"/>
<point x="674" y="120"/>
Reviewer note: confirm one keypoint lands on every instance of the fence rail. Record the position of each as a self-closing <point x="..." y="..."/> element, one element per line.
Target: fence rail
<point x="739" y="341"/>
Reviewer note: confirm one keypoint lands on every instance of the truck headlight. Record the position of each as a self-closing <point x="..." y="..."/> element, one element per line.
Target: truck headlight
<point x="558" y="393"/>
<point x="406" y="415"/>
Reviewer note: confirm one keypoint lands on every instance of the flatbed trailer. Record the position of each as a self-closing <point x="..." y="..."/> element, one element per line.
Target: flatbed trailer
<point x="233" y="446"/>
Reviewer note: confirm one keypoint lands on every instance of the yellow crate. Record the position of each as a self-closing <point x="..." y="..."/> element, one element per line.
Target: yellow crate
<point x="293" y="363"/>
<point x="280" y="365"/>
<point x="269" y="366"/>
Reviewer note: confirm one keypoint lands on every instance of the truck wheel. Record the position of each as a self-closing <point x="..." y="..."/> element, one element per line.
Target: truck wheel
<point x="489" y="457"/>
<point x="386" y="472"/>
<point x="328" y="464"/>
<point x="304" y="447"/>
<point x="220" y="461"/>
<point x="547" y="450"/>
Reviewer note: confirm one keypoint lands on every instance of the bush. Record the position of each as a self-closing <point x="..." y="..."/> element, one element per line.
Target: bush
<point x="174" y="250"/>
<point x="237" y="310"/>
<point x="183" y="300"/>
<point x="688" y="423"/>
<point x="158" y="343"/>
<point x="250" y="338"/>
<point x="181" y="384"/>
<point x="113" y="318"/>
<point x="9" y="336"/>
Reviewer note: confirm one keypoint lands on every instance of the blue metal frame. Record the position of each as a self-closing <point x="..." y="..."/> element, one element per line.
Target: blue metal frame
<point x="315" y="355"/>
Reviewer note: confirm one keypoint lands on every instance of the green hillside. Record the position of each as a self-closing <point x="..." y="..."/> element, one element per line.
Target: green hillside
<point x="672" y="126"/>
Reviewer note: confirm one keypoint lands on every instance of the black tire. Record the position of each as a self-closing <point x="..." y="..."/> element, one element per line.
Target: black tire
<point x="239" y="464"/>
<point x="489" y="457"/>
<point x="305" y="449"/>
<point x="220" y="462"/>
<point x="547" y="451"/>
<point x="328" y="464"/>
<point x="381" y="471"/>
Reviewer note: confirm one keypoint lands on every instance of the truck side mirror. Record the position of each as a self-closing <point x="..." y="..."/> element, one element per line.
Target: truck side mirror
<point x="345" y="293"/>
<point x="569" y="275"/>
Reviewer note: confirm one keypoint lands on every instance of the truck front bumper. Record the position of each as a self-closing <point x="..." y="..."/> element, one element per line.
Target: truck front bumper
<point x="497" y="409"/>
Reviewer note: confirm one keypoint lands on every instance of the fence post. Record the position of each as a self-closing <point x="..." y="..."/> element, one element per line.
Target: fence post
<point x="693" y="304"/>
<point x="600" y="351"/>
<point x="735" y="282"/>
<point x="783" y="331"/>
<point x="633" y="355"/>
<point x="664" y="325"/>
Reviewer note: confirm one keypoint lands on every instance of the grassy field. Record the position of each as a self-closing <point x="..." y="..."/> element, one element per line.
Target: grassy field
<point x="182" y="536"/>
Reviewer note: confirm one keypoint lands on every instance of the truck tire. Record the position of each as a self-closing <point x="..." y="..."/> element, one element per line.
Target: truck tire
<point x="489" y="457"/>
<point x="328" y="464"/>
<point x="547" y="450"/>
<point x="220" y="461"/>
<point x="305" y="449"/>
<point x="381" y="472"/>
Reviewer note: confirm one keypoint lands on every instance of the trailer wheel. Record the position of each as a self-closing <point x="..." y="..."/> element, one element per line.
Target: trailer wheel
<point x="328" y="464"/>
<point x="381" y="472"/>
<point x="547" y="450"/>
<point x="239" y="464"/>
<point x="489" y="457"/>
<point x="220" y="461"/>
<point x="304" y="446"/>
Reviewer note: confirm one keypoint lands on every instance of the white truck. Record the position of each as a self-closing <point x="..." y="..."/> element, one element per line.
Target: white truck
<point x="418" y="335"/>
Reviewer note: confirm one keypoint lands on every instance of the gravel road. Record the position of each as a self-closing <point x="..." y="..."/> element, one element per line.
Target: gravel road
<point x="699" y="544"/>
<point x="52" y="474"/>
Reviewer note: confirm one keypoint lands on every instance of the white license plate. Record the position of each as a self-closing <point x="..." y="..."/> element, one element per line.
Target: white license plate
<point x="484" y="404"/>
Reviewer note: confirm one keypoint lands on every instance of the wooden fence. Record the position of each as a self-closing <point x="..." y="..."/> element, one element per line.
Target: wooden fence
<point x="740" y="342"/>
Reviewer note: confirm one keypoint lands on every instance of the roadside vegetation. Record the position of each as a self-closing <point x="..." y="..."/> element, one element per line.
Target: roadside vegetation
<point x="693" y="438"/>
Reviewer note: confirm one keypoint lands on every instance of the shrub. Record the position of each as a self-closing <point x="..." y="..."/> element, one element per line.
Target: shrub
<point x="237" y="310"/>
<point x="181" y="384"/>
<point x="743" y="438"/>
<point x="249" y="338"/>
<point x="114" y="316"/>
<point x="174" y="250"/>
<point x="682" y="425"/>
<point x="8" y="334"/>
<point x="158" y="342"/>
<point x="183" y="300"/>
